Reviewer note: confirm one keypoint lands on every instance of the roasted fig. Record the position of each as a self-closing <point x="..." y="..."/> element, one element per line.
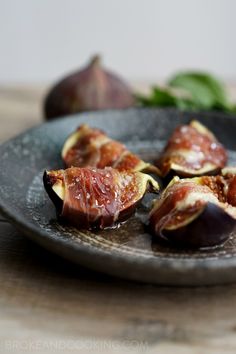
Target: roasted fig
<point x="89" y="197"/>
<point x="196" y="212"/>
<point x="192" y="150"/>
<point x="92" y="88"/>
<point x="92" y="147"/>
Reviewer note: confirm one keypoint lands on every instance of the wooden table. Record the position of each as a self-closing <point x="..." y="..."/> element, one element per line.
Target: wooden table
<point x="49" y="305"/>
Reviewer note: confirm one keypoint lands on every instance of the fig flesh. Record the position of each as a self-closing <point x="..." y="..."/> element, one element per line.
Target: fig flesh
<point x="89" y="197"/>
<point x="192" y="150"/>
<point x="92" y="147"/>
<point x="196" y="212"/>
<point x="92" y="88"/>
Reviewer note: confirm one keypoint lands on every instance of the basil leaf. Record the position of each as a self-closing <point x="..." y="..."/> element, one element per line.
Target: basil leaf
<point x="201" y="91"/>
<point x="233" y="109"/>
<point x="159" y="97"/>
<point x="186" y="104"/>
<point x="206" y="91"/>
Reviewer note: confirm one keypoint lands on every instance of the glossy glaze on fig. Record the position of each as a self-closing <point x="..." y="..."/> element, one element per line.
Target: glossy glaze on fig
<point x="196" y="212"/>
<point x="92" y="147"/>
<point x="91" y="88"/>
<point x="89" y="197"/>
<point x="192" y="150"/>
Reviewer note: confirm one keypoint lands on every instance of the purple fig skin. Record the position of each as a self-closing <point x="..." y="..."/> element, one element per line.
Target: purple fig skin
<point x="211" y="228"/>
<point x="166" y="180"/>
<point x="92" y="88"/>
<point x="48" y="184"/>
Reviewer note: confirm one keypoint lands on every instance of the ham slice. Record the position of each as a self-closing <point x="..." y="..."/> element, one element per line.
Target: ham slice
<point x="93" y="197"/>
<point x="199" y="211"/>
<point x="91" y="147"/>
<point x="192" y="150"/>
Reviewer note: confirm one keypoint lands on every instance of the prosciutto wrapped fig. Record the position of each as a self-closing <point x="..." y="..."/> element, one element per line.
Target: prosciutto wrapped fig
<point x="90" y="197"/>
<point x="91" y="147"/>
<point x="196" y="212"/>
<point x="192" y="150"/>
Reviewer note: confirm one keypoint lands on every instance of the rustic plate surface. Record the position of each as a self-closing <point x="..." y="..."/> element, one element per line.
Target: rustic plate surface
<point x="130" y="251"/>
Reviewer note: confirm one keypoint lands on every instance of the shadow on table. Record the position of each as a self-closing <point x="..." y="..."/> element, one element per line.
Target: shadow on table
<point x="62" y="298"/>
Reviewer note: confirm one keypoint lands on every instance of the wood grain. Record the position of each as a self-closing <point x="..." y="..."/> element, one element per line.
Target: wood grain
<point x="48" y="304"/>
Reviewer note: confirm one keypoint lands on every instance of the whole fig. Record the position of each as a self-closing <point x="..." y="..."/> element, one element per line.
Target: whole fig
<point x="91" y="88"/>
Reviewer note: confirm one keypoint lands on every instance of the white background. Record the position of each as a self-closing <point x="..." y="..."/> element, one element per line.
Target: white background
<point x="141" y="39"/>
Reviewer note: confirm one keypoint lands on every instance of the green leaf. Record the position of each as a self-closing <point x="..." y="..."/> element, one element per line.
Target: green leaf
<point x="201" y="91"/>
<point x="185" y="104"/>
<point x="205" y="90"/>
<point x="233" y="109"/>
<point x="159" y="97"/>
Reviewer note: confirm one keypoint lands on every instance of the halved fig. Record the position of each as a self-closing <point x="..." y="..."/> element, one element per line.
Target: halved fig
<point x="196" y="212"/>
<point x="90" y="197"/>
<point x="192" y="150"/>
<point x="91" y="147"/>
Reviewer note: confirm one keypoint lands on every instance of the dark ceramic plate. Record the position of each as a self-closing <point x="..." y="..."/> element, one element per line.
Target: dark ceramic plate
<point x="129" y="252"/>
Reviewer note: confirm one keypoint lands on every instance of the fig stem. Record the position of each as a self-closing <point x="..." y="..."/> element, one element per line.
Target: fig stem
<point x="96" y="60"/>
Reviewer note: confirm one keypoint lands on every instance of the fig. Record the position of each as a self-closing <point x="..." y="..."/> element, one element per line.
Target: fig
<point x="192" y="150"/>
<point x="92" y="147"/>
<point x="91" y="88"/>
<point x="196" y="212"/>
<point x="96" y="198"/>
